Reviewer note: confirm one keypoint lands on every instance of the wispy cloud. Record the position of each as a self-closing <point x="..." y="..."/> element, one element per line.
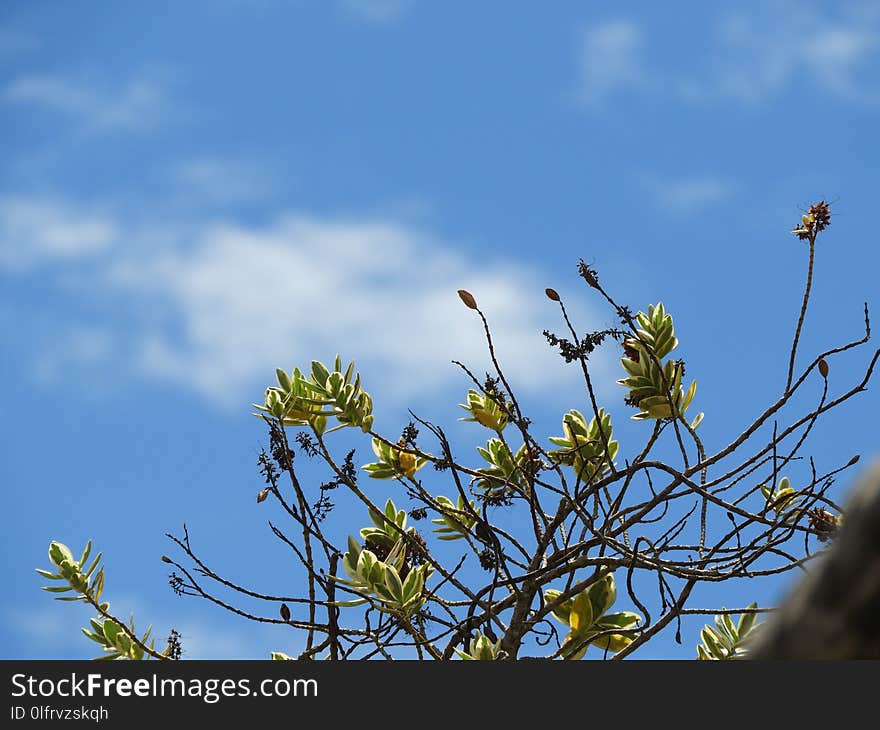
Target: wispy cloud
<point x="751" y="55"/>
<point x="303" y="287"/>
<point x="609" y="59"/>
<point x="375" y="11"/>
<point x="75" y="352"/>
<point x="139" y="104"/>
<point x="216" y="306"/>
<point x="687" y="195"/>
<point x="762" y="51"/>
<point x="221" y="180"/>
<point x="34" y="231"/>
<point x="41" y="629"/>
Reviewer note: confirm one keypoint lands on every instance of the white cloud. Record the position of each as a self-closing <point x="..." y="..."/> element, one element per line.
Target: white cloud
<point x="139" y="104"/>
<point x="762" y="52"/>
<point x="221" y="180"/>
<point x="79" y="348"/>
<point x="33" y="231"/>
<point x="375" y="11"/>
<point x="215" y="306"/>
<point x="752" y="55"/>
<point x="304" y="288"/>
<point x="689" y="194"/>
<point x="609" y="59"/>
<point x="44" y="628"/>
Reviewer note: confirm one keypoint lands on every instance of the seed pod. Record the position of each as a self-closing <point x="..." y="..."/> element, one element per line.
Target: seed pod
<point x="468" y="299"/>
<point x="823" y="368"/>
<point x="551" y="294"/>
<point x="166" y="559"/>
<point x="854" y="459"/>
<point x="261" y="496"/>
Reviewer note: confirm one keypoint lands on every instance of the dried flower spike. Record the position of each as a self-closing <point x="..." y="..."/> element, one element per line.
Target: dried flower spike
<point x="814" y="221"/>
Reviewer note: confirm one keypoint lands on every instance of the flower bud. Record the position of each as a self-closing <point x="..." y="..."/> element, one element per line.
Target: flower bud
<point x="467" y="298"/>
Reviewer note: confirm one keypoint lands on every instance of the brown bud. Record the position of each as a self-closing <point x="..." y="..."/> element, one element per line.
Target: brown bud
<point x="823" y="368"/>
<point x="166" y="559"/>
<point x="468" y="299"/>
<point x="261" y="496"/>
<point x="854" y="459"/>
<point x="285" y="612"/>
<point x="551" y="294"/>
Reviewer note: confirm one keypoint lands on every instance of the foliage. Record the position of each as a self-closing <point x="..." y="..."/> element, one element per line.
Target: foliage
<point x="589" y="622"/>
<point x="507" y="473"/>
<point x="86" y="582"/>
<point x="481" y="648"/>
<point x="727" y="640"/>
<point x="541" y="527"/>
<point x="486" y="409"/>
<point x="456" y="519"/>
<point x="298" y="400"/>
<point x="588" y="448"/>
<point x="397" y="584"/>
<point x="654" y="386"/>
<point x="394" y="460"/>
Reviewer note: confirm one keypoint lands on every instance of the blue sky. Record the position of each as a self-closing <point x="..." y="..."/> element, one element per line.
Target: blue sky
<point x="193" y="194"/>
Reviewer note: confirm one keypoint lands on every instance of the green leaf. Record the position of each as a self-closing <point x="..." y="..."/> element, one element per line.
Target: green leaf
<point x="378" y="470"/>
<point x="319" y="372"/>
<point x="94" y="565"/>
<point x="395" y="586"/>
<point x="620" y="620"/>
<point x="726" y="630"/>
<point x="59" y="553"/>
<point x="612" y="643"/>
<point x="283" y="379"/>
<point x="710" y="639"/>
<point x="747" y="622"/>
<point x="572" y="640"/>
<point x="319" y="423"/>
<point x="413" y="585"/>
<point x="93" y="637"/>
<point x="603" y="594"/>
<point x="689" y="396"/>
<point x="50" y="576"/>
<point x="111" y="630"/>
<point x="85" y="554"/>
<point x="98" y="585"/>
<point x="390" y="511"/>
<point x="582" y="613"/>
<point x="350" y="604"/>
<point x="563" y="610"/>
